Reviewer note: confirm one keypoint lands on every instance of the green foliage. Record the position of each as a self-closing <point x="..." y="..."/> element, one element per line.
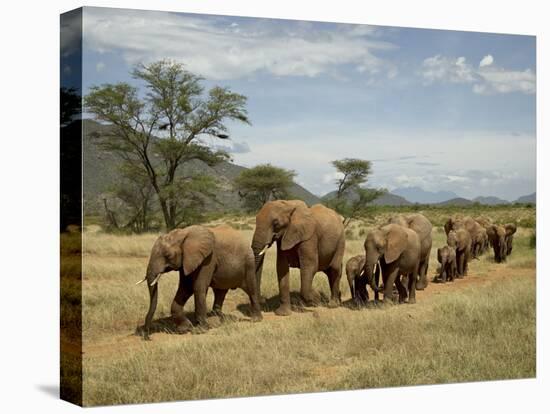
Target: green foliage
<point x="263" y="183"/>
<point x="157" y="131"/>
<point x="354" y="173"/>
<point x="351" y="199"/>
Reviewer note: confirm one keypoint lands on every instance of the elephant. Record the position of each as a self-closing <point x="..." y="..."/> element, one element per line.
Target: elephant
<point x="446" y="255"/>
<point x="422" y="226"/>
<point x="461" y="240"/>
<point x="216" y="257"/>
<point x="511" y="229"/>
<point x="497" y="237"/>
<point x="485" y="223"/>
<point x="309" y="238"/>
<point x="473" y="227"/>
<point x="397" y="250"/>
<point x="357" y="280"/>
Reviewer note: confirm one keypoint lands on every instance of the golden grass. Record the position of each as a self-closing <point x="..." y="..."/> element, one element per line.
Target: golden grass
<point x="457" y="332"/>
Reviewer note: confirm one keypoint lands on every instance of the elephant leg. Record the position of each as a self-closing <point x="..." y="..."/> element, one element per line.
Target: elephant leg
<point x="460" y="263"/>
<point x="412" y="288"/>
<point x="252" y="290"/>
<point x="200" y="304"/>
<point x="184" y="292"/>
<point x="388" y="285"/>
<point x="466" y="260"/>
<point x="307" y="271"/>
<point x="401" y="289"/>
<point x="334" y="276"/>
<point x="422" y="282"/>
<point x="219" y="297"/>
<point x="284" y="286"/>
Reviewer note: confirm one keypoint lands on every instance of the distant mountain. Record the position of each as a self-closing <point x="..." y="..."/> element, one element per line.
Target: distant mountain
<point x="418" y="195"/>
<point x="457" y="201"/>
<point x="387" y="199"/>
<point x="490" y="201"/>
<point x="531" y="198"/>
<point x="101" y="172"/>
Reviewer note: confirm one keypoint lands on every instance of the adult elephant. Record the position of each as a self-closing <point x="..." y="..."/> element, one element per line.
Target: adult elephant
<point x="461" y="240"/>
<point x="422" y="226"/>
<point x="475" y="229"/>
<point x="397" y="250"/>
<point x="485" y="222"/>
<point x="216" y="257"/>
<point x="311" y="239"/>
<point x="511" y="229"/>
<point x="497" y="238"/>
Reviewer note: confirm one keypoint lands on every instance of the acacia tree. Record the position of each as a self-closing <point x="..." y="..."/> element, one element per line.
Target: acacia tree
<point x="136" y="192"/>
<point x="158" y="130"/>
<point x="256" y="186"/>
<point x="351" y="199"/>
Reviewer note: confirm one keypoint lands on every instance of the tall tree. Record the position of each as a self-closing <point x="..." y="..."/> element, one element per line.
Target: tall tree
<point x="263" y="183"/>
<point x="159" y="130"/>
<point x="351" y="199"/>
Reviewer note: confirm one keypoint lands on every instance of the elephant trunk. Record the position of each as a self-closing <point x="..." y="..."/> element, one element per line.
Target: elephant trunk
<point x="369" y="275"/>
<point x="153" y="297"/>
<point x="260" y="244"/>
<point x="442" y="272"/>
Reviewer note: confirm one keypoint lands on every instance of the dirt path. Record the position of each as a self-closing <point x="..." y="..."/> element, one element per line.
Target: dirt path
<point x="115" y="344"/>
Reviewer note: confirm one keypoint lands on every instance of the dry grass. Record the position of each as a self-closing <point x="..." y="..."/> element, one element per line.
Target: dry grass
<point x="456" y="332"/>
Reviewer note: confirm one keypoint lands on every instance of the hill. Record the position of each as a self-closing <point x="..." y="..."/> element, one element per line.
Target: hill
<point x="101" y="172"/>
<point x="530" y="198"/>
<point x="457" y="201"/>
<point x="421" y="196"/>
<point x="490" y="201"/>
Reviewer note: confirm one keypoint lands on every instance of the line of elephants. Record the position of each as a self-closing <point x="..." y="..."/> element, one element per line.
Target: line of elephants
<point x="313" y="240"/>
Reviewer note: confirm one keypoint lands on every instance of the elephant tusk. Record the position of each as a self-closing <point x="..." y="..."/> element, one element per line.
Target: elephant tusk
<point x="262" y="252"/>
<point x="141" y="281"/>
<point x="154" y="282"/>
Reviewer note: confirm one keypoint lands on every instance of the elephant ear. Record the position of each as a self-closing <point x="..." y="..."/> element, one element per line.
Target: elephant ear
<point x="197" y="245"/>
<point x="300" y="228"/>
<point x="491" y="232"/>
<point x="396" y="242"/>
<point x="510" y="229"/>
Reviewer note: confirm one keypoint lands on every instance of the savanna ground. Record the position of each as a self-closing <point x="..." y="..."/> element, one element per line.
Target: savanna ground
<point x="478" y="328"/>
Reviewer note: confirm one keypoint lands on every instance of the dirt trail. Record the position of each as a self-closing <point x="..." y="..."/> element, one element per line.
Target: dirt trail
<point x="115" y="344"/>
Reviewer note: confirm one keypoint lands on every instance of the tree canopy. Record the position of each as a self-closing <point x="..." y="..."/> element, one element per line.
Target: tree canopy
<point x="158" y="129"/>
<point x="263" y="183"/>
<point x="351" y="199"/>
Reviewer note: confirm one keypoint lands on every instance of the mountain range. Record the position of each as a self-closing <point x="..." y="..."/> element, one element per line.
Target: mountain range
<point x="101" y="172"/>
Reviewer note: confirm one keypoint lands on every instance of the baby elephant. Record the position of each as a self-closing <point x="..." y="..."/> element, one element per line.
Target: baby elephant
<point x="218" y="257"/>
<point x="446" y="255"/>
<point x="357" y="280"/>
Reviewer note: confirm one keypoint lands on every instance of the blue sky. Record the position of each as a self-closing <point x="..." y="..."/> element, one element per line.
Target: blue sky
<point x="442" y="110"/>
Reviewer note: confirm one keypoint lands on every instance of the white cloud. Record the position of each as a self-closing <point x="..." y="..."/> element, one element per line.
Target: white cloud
<point x="99" y="66"/>
<point x="486" y="79"/>
<point x="486" y="61"/>
<point x="470" y="163"/>
<point x="445" y="69"/>
<point x="497" y="80"/>
<point x="217" y="48"/>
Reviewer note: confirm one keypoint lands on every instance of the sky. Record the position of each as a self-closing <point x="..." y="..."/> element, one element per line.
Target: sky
<point x="436" y="109"/>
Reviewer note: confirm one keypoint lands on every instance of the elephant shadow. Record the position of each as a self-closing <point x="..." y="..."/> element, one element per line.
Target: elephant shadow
<point x="296" y="302"/>
<point x="167" y="325"/>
